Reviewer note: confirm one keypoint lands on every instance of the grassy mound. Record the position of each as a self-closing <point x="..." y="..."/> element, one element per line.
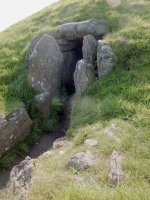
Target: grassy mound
<point x="122" y="98"/>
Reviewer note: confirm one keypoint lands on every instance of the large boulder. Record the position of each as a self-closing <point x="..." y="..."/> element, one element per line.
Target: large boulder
<point x="83" y="74"/>
<point x="45" y="66"/>
<point x="89" y="48"/>
<point x="43" y="103"/>
<point x="31" y="47"/>
<point x="70" y="60"/>
<point x="106" y="59"/>
<point x="77" y="30"/>
<point x="66" y="45"/>
<point x="14" y="127"/>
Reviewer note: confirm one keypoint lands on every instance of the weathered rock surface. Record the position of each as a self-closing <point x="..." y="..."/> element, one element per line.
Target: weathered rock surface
<point x="14" y="126"/>
<point x="20" y="177"/>
<point x="106" y="59"/>
<point x="91" y="142"/>
<point x="66" y="45"/>
<point x="61" y="142"/>
<point x="77" y="30"/>
<point x="110" y="132"/>
<point x="45" y="66"/>
<point x="83" y="74"/>
<point x="70" y="60"/>
<point x="89" y="48"/>
<point x="82" y="160"/>
<point x="43" y="103"/>
<point x="32" y="45"/>
<point x="116" y="173"/>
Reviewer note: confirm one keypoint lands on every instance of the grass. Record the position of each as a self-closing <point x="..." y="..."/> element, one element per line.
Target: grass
<point x="122" y="98"/>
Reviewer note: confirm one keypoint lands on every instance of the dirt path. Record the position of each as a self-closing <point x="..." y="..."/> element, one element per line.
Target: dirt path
<point x="45" y="142"/>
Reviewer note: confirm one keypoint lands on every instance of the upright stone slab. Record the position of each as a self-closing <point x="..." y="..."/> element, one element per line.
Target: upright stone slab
<point x="45" y="66"/>
<point x="70" y="60"/>
<point x="77" y="30"/>
<point x="89" y="48"/>
<point x="106" y="59"/>
<point x="32" y="45"/>
<point x="14" y="127"/>
<point x="83" y="74"/>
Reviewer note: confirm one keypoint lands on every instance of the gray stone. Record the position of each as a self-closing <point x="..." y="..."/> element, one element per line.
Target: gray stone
<point x="61" y="142"/>
<point x="43" y="103"/>
<point x="31" y="47"/>
<point x="89" y="48"/>
<point x="14" y="127"/>
<point x="106" y="59"/>
<point x="110" y="132"/>
<point x="70" y="60"/>
<point x="82" y="160"/>
<point x="20" y="177"/>
<point x="66" y="45"/>
<point x="45" y="66"/>
<point x="83" y="74"/>
<point x="91" y="142"/>
<point x="116" y="173"/>
<point x="77" y="30"/>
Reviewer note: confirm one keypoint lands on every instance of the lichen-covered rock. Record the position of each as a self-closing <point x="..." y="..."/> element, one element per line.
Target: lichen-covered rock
<point x="89" y="48"/>
<point x="45" y="66"/>
<point x="31" y="47"/>
<point x="70" y="60"/>
<point x="66" y="45"/>
<point x="14" y="126"/>
<point x="82" y="160"/>
<point x="116" y="173"/>
<point x="83" y="74"/>
<point x="20" y="177"/>
<point x="106" y="59"/>
<point x="43" y="103"/>
<point x="77" y="30"/>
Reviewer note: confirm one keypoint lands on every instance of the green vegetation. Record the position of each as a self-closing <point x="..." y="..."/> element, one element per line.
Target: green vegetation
<point x="122" y="98"/>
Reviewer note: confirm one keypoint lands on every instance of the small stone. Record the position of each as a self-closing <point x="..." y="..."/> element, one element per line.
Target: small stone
<point x="82" y="160"/>
<point x="47" y="154"/>
<point x="61" y="152"/>
<point x="91" y="142"/>
<point x="116" y="173"/>
<point x="61" y="142"/>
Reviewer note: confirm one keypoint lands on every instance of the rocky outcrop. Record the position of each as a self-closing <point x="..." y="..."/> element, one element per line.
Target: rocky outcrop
<point x="14" y="126"/>
<point x="70" y="60"/>
<point x="31" y="47"/>
<point x="83" y="74"/>
<point x="45" y="66"/>
<point x="89" y="48"/>
<point x="116" y="173"/>
<point x="106" y="59"/>
<point x="21" y="178"/>
<point x="77" y="30"/>
<point x="43" y="103"/>
<point x="66" y="45"/>
<point x="82" y="160"/>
